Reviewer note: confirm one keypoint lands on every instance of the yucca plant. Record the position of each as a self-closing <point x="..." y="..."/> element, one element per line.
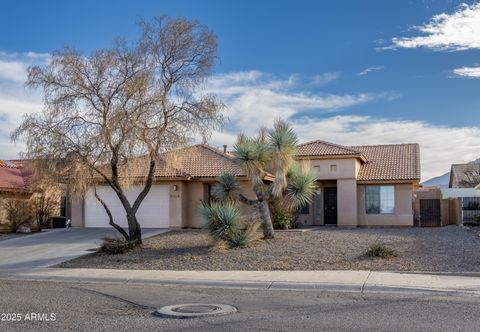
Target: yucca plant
<point x="227" y="225"/>
<point x="270" y="153"/>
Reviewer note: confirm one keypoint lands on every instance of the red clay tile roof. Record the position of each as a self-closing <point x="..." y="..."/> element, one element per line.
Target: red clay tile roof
<point x="13" y="177"/>
<point x="398" y="162"/>
<point x="322" y="148"/>
<point x="389" y="162"/>
<point x="198" y="160"/>
<point x="201" y="160"/>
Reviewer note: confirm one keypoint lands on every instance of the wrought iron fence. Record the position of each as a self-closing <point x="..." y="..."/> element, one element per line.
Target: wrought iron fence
<point x="471" y="211"/>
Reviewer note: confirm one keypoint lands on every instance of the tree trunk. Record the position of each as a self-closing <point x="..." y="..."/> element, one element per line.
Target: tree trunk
<point x="134" y="229"/>
<point x="110" y="217"/>
<point x="268" y="232"/>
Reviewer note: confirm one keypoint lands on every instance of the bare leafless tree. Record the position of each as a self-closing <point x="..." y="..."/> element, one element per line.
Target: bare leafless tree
<point x="123" y="106"/>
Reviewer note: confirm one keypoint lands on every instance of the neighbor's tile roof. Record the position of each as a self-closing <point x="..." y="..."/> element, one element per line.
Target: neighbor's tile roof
<point x="13" y="176"/>
<point x="464" y="175"/>
<point x="389" y="162"/>
<point x="322" y="148"/>
<point x="195" y="161"/>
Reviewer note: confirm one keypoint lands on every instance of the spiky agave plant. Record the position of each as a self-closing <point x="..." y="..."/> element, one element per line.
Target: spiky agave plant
<point x="300" y="187"/>
<point x="229" y="190"/>
<point x="221" y="219"/>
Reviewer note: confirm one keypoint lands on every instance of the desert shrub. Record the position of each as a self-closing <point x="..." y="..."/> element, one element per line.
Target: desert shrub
<point x="220" y="246"/>
<point x="227" y="226"/>
<point x="282" y="220"/>
<point x="381" y="250"/>
<point x="116" y="246"/>
<point x="18" y="212"/>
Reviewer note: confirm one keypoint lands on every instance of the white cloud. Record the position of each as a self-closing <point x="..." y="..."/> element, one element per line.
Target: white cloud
<point x="15" y="71"/>
<point x="255" y="99"/>
<point x="370" y="69"/>
<point x="469" y="72"/>
<point x="325" y="78"/>
<point x="457" y="31"/>
<point x="15" y="99"/>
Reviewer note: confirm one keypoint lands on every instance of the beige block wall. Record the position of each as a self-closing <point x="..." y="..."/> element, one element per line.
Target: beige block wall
<point x="347" y="202"/>
<point x="403" y="215"/>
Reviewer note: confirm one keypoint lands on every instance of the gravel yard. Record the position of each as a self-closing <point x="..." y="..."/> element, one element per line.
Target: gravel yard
<point x="451" y="249"/>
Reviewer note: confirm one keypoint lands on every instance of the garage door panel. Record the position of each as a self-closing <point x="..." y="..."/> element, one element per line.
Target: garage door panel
<point x="153" y="212"/>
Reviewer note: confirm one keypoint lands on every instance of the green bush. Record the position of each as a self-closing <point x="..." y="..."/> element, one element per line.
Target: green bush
<point x="380" y="250"/>
<point x="282" y="220"/>
<point x="116" y="246"/>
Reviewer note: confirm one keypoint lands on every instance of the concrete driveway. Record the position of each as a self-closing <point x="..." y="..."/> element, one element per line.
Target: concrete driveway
<point x="54" y="246"/>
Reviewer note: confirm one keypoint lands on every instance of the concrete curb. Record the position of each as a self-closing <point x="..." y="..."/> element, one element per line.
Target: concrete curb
<point x="251" y="285"/>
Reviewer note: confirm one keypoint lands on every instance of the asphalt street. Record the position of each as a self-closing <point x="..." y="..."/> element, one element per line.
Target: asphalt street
<point x="49" y="306"/>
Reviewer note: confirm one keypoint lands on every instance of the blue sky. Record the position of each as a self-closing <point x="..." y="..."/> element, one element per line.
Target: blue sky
<point x="351" y="72"/>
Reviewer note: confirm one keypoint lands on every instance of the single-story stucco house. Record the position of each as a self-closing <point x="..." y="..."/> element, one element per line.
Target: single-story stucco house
<point x="357" y="186"/>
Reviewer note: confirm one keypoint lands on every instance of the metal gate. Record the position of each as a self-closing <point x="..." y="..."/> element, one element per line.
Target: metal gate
<point x="471" y="210"/>
<point x="430" y="213"/>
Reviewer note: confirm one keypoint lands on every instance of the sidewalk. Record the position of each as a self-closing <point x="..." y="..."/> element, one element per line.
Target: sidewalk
<point x="349" y="281"/>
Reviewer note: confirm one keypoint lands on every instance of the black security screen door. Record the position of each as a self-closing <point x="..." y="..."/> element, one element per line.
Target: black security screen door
<point x="430" y="213"/>
<point x="330" y="210"/>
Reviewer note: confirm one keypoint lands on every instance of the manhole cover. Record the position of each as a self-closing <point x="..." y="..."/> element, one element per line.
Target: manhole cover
<point x="194" y="310"/>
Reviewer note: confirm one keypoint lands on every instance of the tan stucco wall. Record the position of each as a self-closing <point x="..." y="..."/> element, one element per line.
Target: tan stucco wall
<point x="403" y="215"/>
<point x="345" y="168"/>
<point x="76" y="211"/>
<point x="347" y="202"/>
<point x="197" y="191"/>
<point x="177" y="208"/>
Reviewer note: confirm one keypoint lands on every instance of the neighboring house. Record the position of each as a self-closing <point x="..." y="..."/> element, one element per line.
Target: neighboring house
<point x="464" y="187"/>
<point x="357" y="186"/>
<point x="457" y="204"/>
<point x="362" y="185"/>
<point x="14" y="180"/>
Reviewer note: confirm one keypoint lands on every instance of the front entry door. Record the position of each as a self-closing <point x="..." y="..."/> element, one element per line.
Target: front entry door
<point x="330" y="206"/>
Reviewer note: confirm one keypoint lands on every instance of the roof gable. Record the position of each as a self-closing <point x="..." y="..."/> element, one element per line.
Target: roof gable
<point x="322" y="148"/>
<point x="464" y="175"/>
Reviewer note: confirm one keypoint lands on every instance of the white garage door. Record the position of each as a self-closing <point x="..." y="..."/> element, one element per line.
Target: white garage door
<point x="154" y="212"/>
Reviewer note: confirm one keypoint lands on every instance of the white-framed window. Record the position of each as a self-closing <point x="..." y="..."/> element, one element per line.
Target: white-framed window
<point x="380" y="199"/>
